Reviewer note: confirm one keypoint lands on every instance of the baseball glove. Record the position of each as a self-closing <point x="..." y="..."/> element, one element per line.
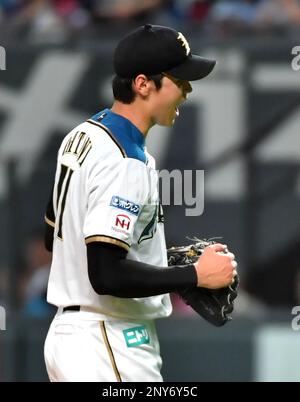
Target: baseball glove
<point x="214" y="305"/>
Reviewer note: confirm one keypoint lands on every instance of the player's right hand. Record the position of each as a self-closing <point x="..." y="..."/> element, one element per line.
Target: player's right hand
<point x="216" y="267"/>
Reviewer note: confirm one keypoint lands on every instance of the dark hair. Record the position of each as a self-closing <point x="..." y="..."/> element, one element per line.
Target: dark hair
<point x="122" y="87"/>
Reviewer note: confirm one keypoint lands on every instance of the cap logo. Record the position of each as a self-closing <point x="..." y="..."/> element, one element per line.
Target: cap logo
<point x="184" y="43"/>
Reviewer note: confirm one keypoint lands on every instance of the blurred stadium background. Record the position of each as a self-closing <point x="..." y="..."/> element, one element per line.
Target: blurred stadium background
<point x="241" y="126"/>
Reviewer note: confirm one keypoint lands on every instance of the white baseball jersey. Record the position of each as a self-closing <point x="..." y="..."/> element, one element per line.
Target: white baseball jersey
<point x="105" y="190"/>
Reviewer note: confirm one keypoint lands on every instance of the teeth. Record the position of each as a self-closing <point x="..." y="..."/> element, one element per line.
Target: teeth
<point x="177" y="112"/>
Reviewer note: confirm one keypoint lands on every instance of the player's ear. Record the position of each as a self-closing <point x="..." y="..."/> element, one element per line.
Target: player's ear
<point x="142" y="85"/>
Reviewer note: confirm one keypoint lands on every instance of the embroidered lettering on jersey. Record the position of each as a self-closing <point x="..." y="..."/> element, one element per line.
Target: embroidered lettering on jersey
<point x="125" y="205"/>
<point x="79" y="145"/>
<point x="136" y="336"/>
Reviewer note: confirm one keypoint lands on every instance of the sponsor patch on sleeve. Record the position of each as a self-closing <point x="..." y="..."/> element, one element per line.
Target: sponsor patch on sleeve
<point x="125" y="205"/>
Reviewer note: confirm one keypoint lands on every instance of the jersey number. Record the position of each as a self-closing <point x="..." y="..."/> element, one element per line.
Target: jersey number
<point x="62" y="190"/>
<point x="78" y="145"/>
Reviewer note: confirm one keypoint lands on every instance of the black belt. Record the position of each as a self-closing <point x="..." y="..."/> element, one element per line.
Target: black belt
<point x="71" y="308"/>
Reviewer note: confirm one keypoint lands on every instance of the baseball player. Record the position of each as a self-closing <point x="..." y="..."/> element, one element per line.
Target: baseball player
<point x="109" y="276"/>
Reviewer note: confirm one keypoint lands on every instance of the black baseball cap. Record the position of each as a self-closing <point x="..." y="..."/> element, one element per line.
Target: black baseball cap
<point x="155" y="49"/>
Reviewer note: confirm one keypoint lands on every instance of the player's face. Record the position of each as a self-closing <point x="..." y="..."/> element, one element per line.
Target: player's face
<point x="168" y="99"/>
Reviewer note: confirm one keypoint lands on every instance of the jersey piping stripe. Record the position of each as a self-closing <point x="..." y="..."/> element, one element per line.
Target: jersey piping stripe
<point x="99" y="125"/>
<point x="49" y="222"/>
<point x="107" y="239"/>
<point x="110" y="352"/>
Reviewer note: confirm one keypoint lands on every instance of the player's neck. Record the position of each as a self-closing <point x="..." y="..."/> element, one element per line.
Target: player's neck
<point x="134" y="113"/>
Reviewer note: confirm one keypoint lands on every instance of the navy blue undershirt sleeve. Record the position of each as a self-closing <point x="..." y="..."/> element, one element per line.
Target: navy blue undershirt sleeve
<point x="110" y="273"/>
<point x="48" y="237"/>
